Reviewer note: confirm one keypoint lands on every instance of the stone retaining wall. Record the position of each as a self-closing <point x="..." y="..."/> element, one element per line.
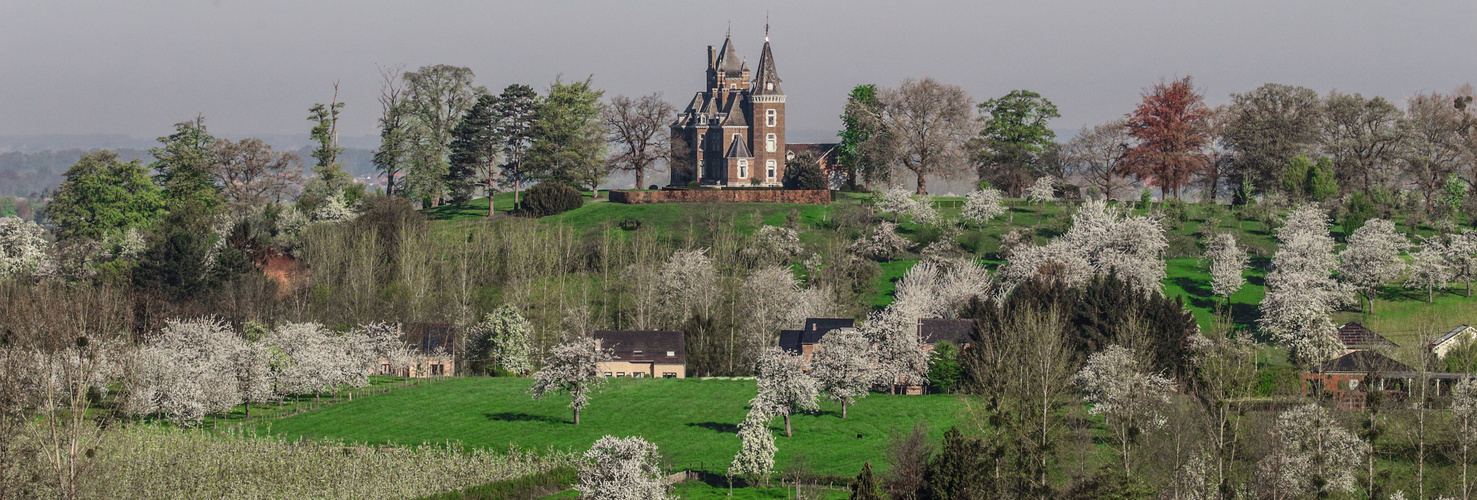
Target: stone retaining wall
<point x="814" y="197"/>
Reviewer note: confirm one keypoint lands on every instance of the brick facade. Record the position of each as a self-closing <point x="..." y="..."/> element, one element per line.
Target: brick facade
<point x="813" y="197"/>
<point x="733" y="132"/>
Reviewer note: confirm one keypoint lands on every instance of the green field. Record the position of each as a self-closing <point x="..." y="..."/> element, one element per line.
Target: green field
<point x="693" y="421"/>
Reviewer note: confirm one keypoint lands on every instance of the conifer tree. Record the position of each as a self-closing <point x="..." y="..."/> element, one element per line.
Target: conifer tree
<point x="865" y="487"/>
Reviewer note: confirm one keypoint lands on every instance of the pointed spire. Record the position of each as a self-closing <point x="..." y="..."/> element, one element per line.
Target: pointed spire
<point x="766" y="26"/>
<point x="766" y="79"/>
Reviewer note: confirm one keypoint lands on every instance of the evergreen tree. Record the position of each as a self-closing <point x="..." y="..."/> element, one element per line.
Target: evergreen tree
<point x="865" y="487"/>
<point x="851" y="152"/>
<point x="1321" y="183"/>
<point x="569" y="136"/>
<point x="475" y="147"/>
<point x="101" y="195"/>
<point x="516" y="110"/>
<point x="183" y="167"/>
<point x="957" y="470"/>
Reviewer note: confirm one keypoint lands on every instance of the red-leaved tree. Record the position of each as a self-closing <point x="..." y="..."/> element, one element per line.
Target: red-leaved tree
<point x="1171" y="129"/>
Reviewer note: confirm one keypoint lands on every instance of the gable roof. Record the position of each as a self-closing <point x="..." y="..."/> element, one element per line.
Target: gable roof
<point x="933" y="331"/>
<point x="1363" y="362"/>
<point x="1451" y="335"/>
<point x="653" y="345"/>
<point x="1356" y="336"/>
<point x="793" y="341"/>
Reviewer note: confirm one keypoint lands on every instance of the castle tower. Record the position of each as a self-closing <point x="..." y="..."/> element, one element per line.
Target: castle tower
<point x="768" y="118"/>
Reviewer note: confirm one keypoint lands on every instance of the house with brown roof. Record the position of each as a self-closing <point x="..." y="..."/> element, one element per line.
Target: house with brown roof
<point x="1357" y="337"/>
<point x="1342" y="376"/>
<point x="643" y="353"/>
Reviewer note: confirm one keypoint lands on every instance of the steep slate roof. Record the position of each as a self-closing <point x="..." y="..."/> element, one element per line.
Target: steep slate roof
<point x="1363" y="362"/>
<point x="934" y="331"/>
<point x="792" y="340"/>
<point x="1449" y="335"/>
<point x="653" y="344"/>
<point x="1356" y="336"/>
<point x="728" y="59"/>
<point x="767" y="73"/>
<point x="739" y="150"/>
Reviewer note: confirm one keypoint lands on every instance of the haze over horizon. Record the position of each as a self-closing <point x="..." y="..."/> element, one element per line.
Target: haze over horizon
<point x="254" y="68"/>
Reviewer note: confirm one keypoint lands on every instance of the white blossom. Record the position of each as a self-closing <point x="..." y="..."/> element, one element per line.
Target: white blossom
<point x="1131" y="401"/>
<point x="23" y="246"/>
<point x="901" y="359"/>
<point x="308" y="358"/>
<point x="1227" y="264"/>
<point x="774" y="244"/>
<point x="687" y="285"/>
<point x="756" y="447"/>
<point x="1301" y="290"/>
<point x="895" y="200"/>
<point x="1461" y="255"/>
<point x="191" y="370"/>
<point x="126" y="244"/>
<point x="843" y="363"/>
<point x="1043" y="190"/>
<point x="572" y="368"/>
<point x="922" y="211"/>
<point x="883" y="244"/>
<point x="387" y="343"/>
<point x="1102" y="239"/>
<point x="333" y="209"/>
<point x="941" y="288"/>
<point x="982" y="205"/>
<point x="1372" y="257"/>
<point x="622" y="469"/>
<point x="512" y="349"/>
<point x="1312" y="453"/>
<point x="783" y="386"/>
<point x="770" y="294"/>
<point x="1429" y="268"/>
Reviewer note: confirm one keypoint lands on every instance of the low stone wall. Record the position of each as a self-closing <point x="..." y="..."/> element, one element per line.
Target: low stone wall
<point x="814" y="197"/>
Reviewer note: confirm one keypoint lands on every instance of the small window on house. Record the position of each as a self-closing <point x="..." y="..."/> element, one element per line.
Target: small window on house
<point x="607" y="374"/>
<point x="636" y="353"/>
<point x="638" y="374"/>
<point x="620" y="374"/>
<point x="743" y="169"/>
<point x="789" y="155"/>
<point x="770" y="115"/>
<point x="384" y="369"/>
<point x="669" y="374"/>
<point x="769" y="168"/>
<point x="702" y="119"/>
<point x="671" y="354"/>
<point x="769" y="143"/>
<point x="437" y="370"/>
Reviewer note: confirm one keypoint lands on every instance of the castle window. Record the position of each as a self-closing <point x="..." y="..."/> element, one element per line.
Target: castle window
<point x="743" y="173"/>
<point x="769" y="117"/>
<point x="769" y="168"/>
<point x="700" y="142"/>
<point x="769" y="143"/>
<point x="769" y="86"/>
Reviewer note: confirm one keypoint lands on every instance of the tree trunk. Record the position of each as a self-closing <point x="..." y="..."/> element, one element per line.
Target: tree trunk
<point x="787" y="425"/>
<point x="922" y="184"/>
<point x="576" y="416"/>
<point x="491" y="202"/>
<point x="1431" y="294"/>
<point x="843" y="410"/>
<point x="640" y="178"/>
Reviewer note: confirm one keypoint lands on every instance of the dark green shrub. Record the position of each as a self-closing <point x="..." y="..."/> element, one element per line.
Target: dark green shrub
<point x="804" y="173"/>
<point x="1359" y="210"/>
<point x="550" y="198"/>
<point x="629" y="223"/>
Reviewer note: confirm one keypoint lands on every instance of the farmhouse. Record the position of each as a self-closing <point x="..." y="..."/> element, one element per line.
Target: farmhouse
<point x="643" y="353"/>
<point x="955" y="331"/>
<point x="803" y="341"/>
<point x="1459" y="336"/>
<point x="434" y="347"/>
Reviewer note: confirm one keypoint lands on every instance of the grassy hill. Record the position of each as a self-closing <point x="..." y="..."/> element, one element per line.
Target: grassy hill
<point x="692" y="421"/>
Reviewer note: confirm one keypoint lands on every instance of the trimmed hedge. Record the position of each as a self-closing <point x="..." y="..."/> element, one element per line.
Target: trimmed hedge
<point x="531" y="486"/>
<point x="550" y="198"/>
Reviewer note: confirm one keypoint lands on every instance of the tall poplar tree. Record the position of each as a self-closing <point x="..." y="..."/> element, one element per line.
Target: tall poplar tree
<point x="331" y="177"/>
<point x="861" y="125"/>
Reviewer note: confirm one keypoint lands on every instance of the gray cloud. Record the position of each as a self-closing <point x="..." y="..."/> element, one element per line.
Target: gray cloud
<point x="134" y="68"/>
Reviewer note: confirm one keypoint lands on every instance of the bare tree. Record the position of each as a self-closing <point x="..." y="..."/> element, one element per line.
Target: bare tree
<point x="250" y="174"/>
<point x="394" y="148"/>
<point x="1365" y="137"/>
<point x="924" y="127"/>
<point x="1435" y="147"/>
<point x="637" y="128"/>
<point x="908" y="459"/>
<point x="1098" y="152"/>
<point x="573" y="368"/>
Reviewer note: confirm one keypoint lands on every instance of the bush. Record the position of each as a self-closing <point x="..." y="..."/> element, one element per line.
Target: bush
<point x="550" y="198"/>
<point x="804" y="173"/>
<point x="629" y="223"/>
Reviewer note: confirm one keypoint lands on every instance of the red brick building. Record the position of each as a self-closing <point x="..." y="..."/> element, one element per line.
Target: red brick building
<point x="733" y="132"/>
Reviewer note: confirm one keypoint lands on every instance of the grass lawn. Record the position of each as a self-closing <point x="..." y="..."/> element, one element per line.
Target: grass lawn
<point x="692" y="421"/>
<point x="694" y="490"/>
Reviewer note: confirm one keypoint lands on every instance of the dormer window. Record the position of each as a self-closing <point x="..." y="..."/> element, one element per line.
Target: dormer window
<point x="671" y="354"/>
<point x="768" y="85"/>
<point x="702" y="119"/>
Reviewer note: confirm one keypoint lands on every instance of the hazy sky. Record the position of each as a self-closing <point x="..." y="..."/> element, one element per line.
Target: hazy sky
<point x="136" y="67"/>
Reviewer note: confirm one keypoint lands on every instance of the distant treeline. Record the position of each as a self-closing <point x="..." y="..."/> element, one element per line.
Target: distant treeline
<point x="32" y="174"/>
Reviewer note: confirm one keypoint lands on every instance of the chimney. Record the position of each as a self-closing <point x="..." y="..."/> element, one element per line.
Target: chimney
<point x="712" y="57"/>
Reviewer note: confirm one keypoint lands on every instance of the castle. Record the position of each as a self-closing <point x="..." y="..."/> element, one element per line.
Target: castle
<point x="733" y="132"/>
